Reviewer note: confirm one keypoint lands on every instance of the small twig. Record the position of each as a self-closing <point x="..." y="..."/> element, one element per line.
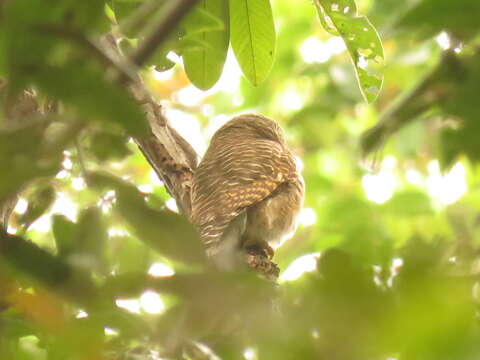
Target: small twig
<point x="173" y="13"/>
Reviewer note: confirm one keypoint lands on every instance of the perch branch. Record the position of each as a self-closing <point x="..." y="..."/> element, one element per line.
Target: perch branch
<point x="171" y="157"/>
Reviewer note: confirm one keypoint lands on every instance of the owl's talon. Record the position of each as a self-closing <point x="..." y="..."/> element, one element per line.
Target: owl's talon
<point x="260" y="249"/>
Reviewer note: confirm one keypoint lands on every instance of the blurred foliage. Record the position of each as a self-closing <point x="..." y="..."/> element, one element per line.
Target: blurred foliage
<point x="390" y="257"/>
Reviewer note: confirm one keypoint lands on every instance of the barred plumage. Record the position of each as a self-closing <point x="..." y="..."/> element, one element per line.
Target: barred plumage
<point x="247" y="190"/>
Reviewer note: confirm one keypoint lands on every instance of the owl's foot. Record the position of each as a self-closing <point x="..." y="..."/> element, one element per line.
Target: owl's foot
<point x="263" y="266"/>
<point x="262" y="249"/>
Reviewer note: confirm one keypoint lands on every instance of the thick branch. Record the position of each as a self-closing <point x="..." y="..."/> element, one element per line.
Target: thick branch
<point x="171" y="157"/>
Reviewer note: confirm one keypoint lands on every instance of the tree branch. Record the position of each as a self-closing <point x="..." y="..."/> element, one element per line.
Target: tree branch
<point x="433" y="88"/>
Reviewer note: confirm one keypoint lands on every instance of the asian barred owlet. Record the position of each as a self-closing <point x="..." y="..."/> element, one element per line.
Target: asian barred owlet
<point x="247" y="191"/>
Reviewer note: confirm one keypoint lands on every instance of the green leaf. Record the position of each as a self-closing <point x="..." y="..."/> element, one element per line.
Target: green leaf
<point x="64" y="232"/>
<point x="20" y="160"/>
<point x="39" y="202"/>
<point x="208" y="15"/>
<point x="208" y="23"/>
<point x="253" y="37"/>
<point x="15" y="326"/>
<point x="169" y="233"/>
<point x="160" y="61"/>
<point x="106" y="146"/>
<point x="91" y="236"/>
<point x="92" y="96"/>
<point x="123" y="9"/>
<point x="129" y="254"/>
<point x="34" y="34"/>
<point x="339" y="17"/>
<point x="83" y="242"/>
<point x="409" y="203"/>
<point x="31" y="260"/>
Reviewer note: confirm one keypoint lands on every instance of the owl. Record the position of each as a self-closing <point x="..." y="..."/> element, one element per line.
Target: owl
<point x="247" y="191"/>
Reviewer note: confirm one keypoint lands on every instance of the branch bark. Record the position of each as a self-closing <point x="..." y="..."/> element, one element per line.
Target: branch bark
<point x="172" y="158"/>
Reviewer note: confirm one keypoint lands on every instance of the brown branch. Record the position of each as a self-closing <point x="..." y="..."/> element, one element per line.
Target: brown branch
<point x="173" y="163"/>
<point x="171" y="157"/>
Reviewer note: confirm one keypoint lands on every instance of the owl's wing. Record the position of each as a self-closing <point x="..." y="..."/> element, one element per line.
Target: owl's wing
<point x="234" y="177"/>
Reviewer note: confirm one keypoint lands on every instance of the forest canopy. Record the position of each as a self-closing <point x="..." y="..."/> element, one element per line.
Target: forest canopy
<point x="377" y="98"/>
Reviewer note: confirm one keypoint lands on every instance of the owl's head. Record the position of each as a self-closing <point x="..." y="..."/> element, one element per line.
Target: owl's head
<point x="253" y="125"/>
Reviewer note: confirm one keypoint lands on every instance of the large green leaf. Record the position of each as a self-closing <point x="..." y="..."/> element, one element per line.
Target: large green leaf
<point x="204" y="65"/>
<point x="64" y="232"/>
<point x="108" y="146"/>
<point x="39" y="202"/>
<point x="253" y="37"/>
<point x="169" y="233"/>
<point x="340" y="17"/>
<point x="409" y="203"/>
<point x="208" y="15"/>
<point x="92" y="96"/>
<point x="22" y="159"/>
